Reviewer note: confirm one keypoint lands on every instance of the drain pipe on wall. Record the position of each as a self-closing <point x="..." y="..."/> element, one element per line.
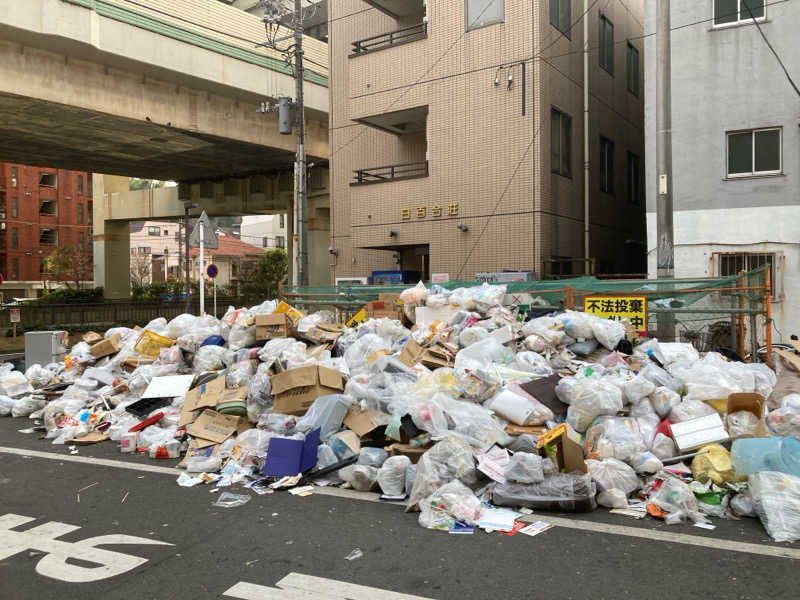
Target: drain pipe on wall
<point x="586" y="251"/>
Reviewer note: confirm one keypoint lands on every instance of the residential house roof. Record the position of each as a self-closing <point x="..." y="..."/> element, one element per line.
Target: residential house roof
<point x="230" y="246"/>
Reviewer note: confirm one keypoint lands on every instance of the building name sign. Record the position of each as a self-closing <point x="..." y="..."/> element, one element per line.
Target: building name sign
<point x="437" y="210"/>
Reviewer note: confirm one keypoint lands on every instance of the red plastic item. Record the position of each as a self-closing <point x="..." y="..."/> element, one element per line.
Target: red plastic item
<point x="147" y="422"/>
<point x="664" y="428"/>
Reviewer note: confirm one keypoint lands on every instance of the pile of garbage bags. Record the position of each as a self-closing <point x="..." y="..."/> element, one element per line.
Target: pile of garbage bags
<point x="448" y="399"/>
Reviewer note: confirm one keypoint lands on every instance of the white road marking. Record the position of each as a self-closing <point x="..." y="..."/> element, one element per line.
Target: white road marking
<point x="340" y="589"/>
<point x="251" y="591"/>
<point x="637" y="532"/>
<point x="54" y="563"/>
<point x="296" y="586"/>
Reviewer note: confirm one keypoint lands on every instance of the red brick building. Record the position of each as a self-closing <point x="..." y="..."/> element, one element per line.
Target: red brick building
<point x="40" y="209"/>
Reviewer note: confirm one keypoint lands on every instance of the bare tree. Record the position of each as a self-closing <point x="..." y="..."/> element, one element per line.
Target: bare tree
<point x="70" y="265"/>
<point x="141" y="268"/>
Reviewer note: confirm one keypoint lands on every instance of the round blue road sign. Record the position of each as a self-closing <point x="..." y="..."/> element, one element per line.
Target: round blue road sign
<point x="212" y="270"/>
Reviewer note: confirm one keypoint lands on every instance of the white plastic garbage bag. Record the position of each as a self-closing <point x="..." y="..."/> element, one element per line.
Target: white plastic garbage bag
<point x="611" y="474"/>
<point x="525" y="467"/>
<point x="592" y="398"/>
<point x="776" y="500"/>
<point x="392" y="475"/>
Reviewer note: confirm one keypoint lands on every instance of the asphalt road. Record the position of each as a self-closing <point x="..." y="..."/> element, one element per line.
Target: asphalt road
<point x="598" y="555"/>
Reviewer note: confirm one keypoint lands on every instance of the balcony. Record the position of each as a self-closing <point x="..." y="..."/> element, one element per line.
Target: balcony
<point x="413" y="170"/>
<point x="397" y="37"/>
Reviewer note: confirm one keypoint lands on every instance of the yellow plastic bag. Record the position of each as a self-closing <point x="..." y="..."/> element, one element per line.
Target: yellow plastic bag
<point x="150" y="343"/>
<point x="715" y="465"/>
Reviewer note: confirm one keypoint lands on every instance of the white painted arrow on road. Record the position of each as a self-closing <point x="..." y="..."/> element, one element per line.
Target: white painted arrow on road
<point x="296" y="586"/>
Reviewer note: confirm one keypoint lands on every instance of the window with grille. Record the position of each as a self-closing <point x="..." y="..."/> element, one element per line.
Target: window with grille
<point x="731" y="12"/>
<point x="606" y="50"/>
<point x="727" y="264"/>
<point x="560" y="142"/>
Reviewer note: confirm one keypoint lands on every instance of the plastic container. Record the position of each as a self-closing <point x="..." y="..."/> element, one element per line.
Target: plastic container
<point x="127" y="442"/>
<point x="753" y="455"/>
<point x="150" y="343"/>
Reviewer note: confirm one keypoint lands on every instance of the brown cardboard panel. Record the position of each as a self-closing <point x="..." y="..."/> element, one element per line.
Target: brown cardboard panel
<point x="214" y="427"/>
<point x="568" y="454"/>
<point x="293" y="391"/>
<point x="106" y="347"/>
<point x="414" y="454"/>
<point x="363" y="422"/>
<point x="90" y="438"/>
<point x="272" y="326"/>
<point x="753" y="403"/>
<point x="92" y="337"/>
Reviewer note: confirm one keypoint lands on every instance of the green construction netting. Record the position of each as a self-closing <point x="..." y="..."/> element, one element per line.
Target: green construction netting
<point x="671" y="292"/>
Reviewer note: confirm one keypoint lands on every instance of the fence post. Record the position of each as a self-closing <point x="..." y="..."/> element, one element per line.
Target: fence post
<point x="768" y="302"/>
<point x="740" y="320"/>
<point x="570" y="298"/>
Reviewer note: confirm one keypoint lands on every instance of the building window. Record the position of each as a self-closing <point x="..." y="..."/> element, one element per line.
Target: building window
<point x="48" y="208"/>
<point x="634" y="179"/>
<point x="560" y="142"/>
<point x="282" y="221"/>
<point x="265" y="242"/>
<point x="154" y="231"/>
<point x="606" y="50"/>
<point x="280" y="241"/>
<point x="89" y="211"/>
<point x="15" y="268"/>
<point x="754" y="152"/>
<point x="89" y="185"/>
<point x="727" y="264"/>
<point x="14" y="238"/>
<point x="80" y="214"/>
<point x="14" y="176"/>
<point x="144" y="249"/>
<point x="560" y="16"/>
<point x="14" y="208"/>
<point x="727" y="12"/>
<point x="480" y="13"/>
<point x="48" y="180"/>
<point x="633" y="70"/>
<point x="48" y="237"/>
<point x="80" y="185"/>
<point x="606" y="165"/>
<point x="166" y="232"/>
<point x="80" y="240"/>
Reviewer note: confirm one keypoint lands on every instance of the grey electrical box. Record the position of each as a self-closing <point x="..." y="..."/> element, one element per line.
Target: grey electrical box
<point x="284" y="115"/>
<point x="45" y="347"/>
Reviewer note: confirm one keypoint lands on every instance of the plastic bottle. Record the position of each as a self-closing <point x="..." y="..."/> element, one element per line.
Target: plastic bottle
<point x="751" y="455"/>
<point x="127" y="442"/>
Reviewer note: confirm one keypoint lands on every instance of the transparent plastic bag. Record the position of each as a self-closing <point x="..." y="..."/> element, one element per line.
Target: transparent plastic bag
<point x="592" y="398"/>
<point x="532" y="362"/>
<point x="392" y="475"/>
<point x="677" y="499"/>
<point x="209" y="358"/>
<point x="38" y="376"/>
<point x="415" y="295"/>
<point x="741" y="423"/>
<point x="663" y="446"/>
<point x="457" y="500"/>
<point x="609" y="333"/>
<point x="373" y="457"/>
<point x="776" y="500"/>
<point x="524" y="467"/>
<point x="240" y="374"/>
<point x="567" y="492"/>
<point x="519" y="409"/>
<point x="325" y="413"/>
<point x="180" y="325"/>
<point x="26" y="405"/>
<point x="356" y="354"/>
<point x="255" y="441"/>
<point x="638" y="388"/>
<point x="664" y="400"/>
<point x="448" y="459"/>
<point x="6" y="404"/>
<point x="360" y="477"/>
<point x="487" y="296"/>
<point x="785" y="421"/>
<point x="614" y="437"/>
<point x="14" y="383"/>
<point x="577" y="325"/>
<point x="611" y="473"/>
<point x="689" y="409"/>
<point x="481" y="356"/>
<point x="279" y="424"/>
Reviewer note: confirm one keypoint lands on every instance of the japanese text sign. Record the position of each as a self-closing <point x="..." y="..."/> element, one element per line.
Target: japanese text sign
<point x="633" y="308"/>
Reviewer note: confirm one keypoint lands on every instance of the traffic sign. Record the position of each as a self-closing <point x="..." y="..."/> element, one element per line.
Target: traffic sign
<point x="212" y="270"/>
<point x="209" y="237"/>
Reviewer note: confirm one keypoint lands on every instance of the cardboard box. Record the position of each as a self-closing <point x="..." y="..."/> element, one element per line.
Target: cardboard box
<point x="690" y="435"/>
<point x="343" y="441"/>
<point x="363" y="422"/>
<point x="752" y="403"/>
<point x="567" y="453"/>
<point x="293" y="391"/>
<point x="133" y="362"/>
<point x="292" y="314"/>
<point x="382" y="309"/>
<point x="213" y="428"/>
<point x="209" y="395"/>
<point x="414" y="454"/>
<point x="106" y="347"/>
<point x="92" y="337"/>
<point x="324" y="334"/>
<point x="439" y="355"/>
<point x="269" y="327"/>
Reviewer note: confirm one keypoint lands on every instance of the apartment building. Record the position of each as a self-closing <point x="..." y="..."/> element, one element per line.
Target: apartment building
<point x="40" y="209"/>
<point x="735" y="144"/>
<point x="457" y="131"/>
<point x="157" y="251"/>
<point x="267" y="231"/>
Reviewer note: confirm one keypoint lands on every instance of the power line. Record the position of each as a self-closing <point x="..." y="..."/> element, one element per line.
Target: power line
<point x="777" y="57"/>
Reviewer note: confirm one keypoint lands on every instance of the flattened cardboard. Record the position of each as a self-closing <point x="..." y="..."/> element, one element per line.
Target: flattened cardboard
<point x="213" y="427"/>
<point x="106" y="347"/>
<point x="345" y="438"/>
<point x="411" y="353"/>
<point x="293" y="391"/>
<point x="439" y="355"/>
<point x="324" y="333"/>
<point x="206" y="395"/>
<point x="269" y="327"/>
<point x="414" y="454"/>
<point x="133" y="362"/>
<point x="537" y="430"/>
<point x="92" y="437"/>
<point x="363" y="422"/>
<point x="568" y="454"/>
<point x="291" y="457"/>
<point x="92" y="337"/>
<point x="195" y="449"/>
<point x="791" y="358"/>
<point x="692" y="434"/>
<point x="544" y="390"/>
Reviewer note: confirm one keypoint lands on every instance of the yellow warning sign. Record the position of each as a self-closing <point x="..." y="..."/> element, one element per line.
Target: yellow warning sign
<point x="357" y="318"/>
<point x="633" y="308"/>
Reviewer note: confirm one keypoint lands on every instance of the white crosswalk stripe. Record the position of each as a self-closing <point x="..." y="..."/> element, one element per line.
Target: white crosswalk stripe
<point x="296" y="586"/>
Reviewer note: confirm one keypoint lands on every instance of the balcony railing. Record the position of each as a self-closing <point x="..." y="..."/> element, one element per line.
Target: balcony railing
<point x="405" y="35"/>
<point x="390" y="173"/>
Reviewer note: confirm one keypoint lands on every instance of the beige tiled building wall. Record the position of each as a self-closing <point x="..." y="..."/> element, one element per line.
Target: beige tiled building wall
<point x="487" y="145"/>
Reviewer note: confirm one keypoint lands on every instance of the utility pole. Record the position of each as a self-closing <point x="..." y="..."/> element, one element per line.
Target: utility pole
<point x="586" y="248"/>
<point x="274" y="12"/>
<point x="665" y="251"/>
<point x="187" y="288"/>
